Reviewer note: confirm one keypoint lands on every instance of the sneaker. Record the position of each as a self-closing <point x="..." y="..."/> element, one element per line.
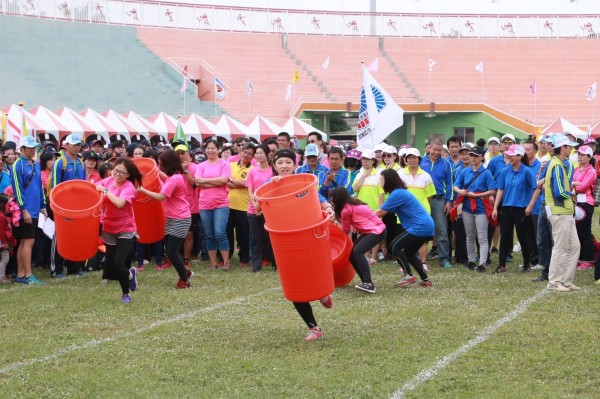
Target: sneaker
<point x="4" y="280"/>
<point x="406" y="281"/>
<point x="509" y="259"/>
<point x="494" y="250"/>
<point x="186" y="263"/>
<point x="380" y="256"/>
<point x="126" y="298"/>
<point x="424" y="283"/>
<point x="327" y="301"/>
<point x="265" y="263"/>
<point x="425" y="268"/>
<point x="481" y="269"/>
<point x="558" y="288"/>
<point x="446" y="264"/>
<point x="34" y="280"/>
<point x="21" y="280"/>
<point x="105" y="281"/>
<point x="181" y="285"/>
<point x="537" y="267"/>
<point x="371" y="261"/>
<point x="167" y="264"/>
<point x="213" y="267"/>
<point x="189" y="274"/>
<point x="59" y="275"/>
<point x="585" y="265"/>
<point x="225" y="267"/>
<point x="366" y="287"/>
<point x="539" y="279"/>
<point x="517" y="247"/>
<point x="471" y="266"/>
<point x="525" y="269"/>
<point x="146" y="261"/>
<point x="80" y="273"/>
<point x="160" y="267"/>
<point x="500" y="269"/>
<point x="572" y="287"/>
<point x="432" y="254"/>
<point x="132" y="279"/>
<point x="314" y="334"/>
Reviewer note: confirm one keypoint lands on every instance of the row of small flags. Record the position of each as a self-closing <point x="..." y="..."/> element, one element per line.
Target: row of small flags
<point x="221" y="92"/>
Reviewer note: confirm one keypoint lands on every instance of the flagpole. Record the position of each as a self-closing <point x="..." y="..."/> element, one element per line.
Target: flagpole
<point x="482" y="88"/>
<point x="184" y="101"/>
<point x="215" y="88"/>
<point x="429" y="93"/>
<point x="535" y="105"/>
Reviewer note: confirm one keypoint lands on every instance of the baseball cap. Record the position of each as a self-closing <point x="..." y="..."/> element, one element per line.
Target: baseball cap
<point x="508" y="136"/>
<point x="584" y="149"/>
<point x="477" y="151"/>
<point x="95" y="142"/>
<point x="547" y="138"/>
<point x="311" y="150"/>
<point x="29" y="142"/>
<point x="354" y="154"/>
<point x="493" y="139"/>
<point x="73" y="139"/>
<point x="182" y="147"/>
<point x="390" y="149"/>
<point x="466" y="146"/>
<point x="379" y="147"/>
<point x="367" y="154"/>
<point x="590" y="140"/>
<point x="412" y="151"/>
<point x="515" y="149"/>
<point x="90" y="155"/>
<point x="559" y="141"/>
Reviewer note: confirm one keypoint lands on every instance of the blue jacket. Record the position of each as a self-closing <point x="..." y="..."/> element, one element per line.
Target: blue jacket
<point x="441" y="174"/>
<point x="26" y="181"/>
<point x="342" y="178"/>
<point x="74" y="170"/>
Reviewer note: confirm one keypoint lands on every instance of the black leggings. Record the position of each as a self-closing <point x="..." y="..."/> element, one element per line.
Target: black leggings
<point x="116" y="258"/>
<point x="357" y="257"/>
<point x="405" y="248"/>
<point x="173" y="247"/>
<point x="514" y="217"/>
<point x="305" y="311"/>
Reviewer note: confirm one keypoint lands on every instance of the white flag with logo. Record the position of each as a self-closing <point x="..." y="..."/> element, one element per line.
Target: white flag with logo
<point x="288" y="92"/>
<point x="379" y="114"/>
<point x="374" y="66"/>
<point x="326" y="64"/>
<point x="430" y="64"/>
<point x="591" y="92"/>
<point x="479" y="67"/>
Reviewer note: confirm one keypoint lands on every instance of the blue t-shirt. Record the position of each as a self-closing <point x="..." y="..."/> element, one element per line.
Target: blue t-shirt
<point x="535" y="169"/>
<point x="517" y="186"/>
<point x="496" y="166"/>
<point x="412" y="214"/>
<point x="484" y="182"/>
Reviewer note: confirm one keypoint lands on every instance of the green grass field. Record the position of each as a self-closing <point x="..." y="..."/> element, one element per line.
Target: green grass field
<point x="233" y="335"/>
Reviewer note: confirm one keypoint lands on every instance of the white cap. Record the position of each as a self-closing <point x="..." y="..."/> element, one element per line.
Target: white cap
<point x="412" y="151"/>
<point x="494" y="139"/>
<point x="379" y="147"/>
<point x="73" y="139"/>
<point x="311" y="150"/>
<point x="28" y="141"/>
<point x="390" y="149"/>
<point x="559" y="141"/>
<point x="509" y="137"/>
<point x="367" y="154"/>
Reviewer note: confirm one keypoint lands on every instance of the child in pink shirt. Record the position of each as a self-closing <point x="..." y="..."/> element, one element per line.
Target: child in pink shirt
<point x="352" y="213"/>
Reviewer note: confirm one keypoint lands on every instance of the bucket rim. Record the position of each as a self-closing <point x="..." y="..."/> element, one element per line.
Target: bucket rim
<point x="325" y="220"/>
<point x="290" y="194"/>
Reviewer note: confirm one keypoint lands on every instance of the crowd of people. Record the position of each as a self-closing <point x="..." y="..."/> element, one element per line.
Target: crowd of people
<point x="458" y="203"/>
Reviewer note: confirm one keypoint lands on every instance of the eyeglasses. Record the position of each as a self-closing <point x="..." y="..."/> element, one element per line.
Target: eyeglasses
<point x="508" y="142"/>
<point x="120" y="172"/>
<point x="388" y="155"/>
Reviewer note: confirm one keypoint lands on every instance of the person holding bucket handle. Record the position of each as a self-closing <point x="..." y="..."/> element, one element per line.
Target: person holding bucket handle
<point x="177" y="211"/>
<point x="118" y="228"/>
<point x="353" y="214"/>
<point x="212" y="177"/>
<point x="417" y="223"/>
<point x="284" y="165"/>
<point x="26" y="181"/>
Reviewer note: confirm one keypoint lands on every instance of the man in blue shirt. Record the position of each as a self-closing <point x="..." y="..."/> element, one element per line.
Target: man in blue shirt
<point x="67" y="167"/>
<point x="26" y="181"/>
<point x="312" y="162"/>
<point x="441" y="173"/>
<point x="338" y="177"/>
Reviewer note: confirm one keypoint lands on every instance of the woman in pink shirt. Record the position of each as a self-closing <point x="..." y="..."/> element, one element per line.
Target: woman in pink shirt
<point x="353" y="214"/>
<point x="212" y="177"/>
<point x="118" y="228"/>
<point x="260" y="243"/>
<point x="173" y="195"/>
<point x="584" y="184"/>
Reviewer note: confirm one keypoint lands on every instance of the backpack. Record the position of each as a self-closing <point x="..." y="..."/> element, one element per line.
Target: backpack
<point x="65" y="162"/>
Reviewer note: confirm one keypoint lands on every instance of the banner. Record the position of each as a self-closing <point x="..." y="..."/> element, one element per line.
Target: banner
<point x="220" y="91"/>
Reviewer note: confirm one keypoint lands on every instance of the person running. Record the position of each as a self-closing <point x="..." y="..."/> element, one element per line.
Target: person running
<point x="285" y="162"/>
<point x="118" y="228"/>
<point x="418" y="227"/>
<point x="177" y="211"/>
<point x="352" y="213"/>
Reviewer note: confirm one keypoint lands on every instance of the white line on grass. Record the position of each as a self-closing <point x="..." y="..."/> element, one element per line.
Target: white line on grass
<point x="97" y="342"/>
<point x="432" y="371"/>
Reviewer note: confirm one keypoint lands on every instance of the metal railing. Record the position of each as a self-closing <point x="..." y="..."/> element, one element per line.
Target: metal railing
<point x="261" y="20"/>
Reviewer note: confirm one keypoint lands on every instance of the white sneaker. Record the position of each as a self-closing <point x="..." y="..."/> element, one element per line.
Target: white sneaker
<point x="537" y="267"/>
<point x="380" y="256"/>
<point x="517" y="248"/>
<point x="371" y="261"/>
<point x="425" y="268"/>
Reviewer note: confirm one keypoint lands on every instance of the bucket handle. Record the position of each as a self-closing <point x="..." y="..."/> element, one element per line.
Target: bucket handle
<point x="320" y="236"/>
<point x="98" y="215"/>
<point x="147" y="199"/>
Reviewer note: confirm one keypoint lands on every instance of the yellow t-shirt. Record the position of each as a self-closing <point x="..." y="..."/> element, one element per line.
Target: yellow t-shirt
<point x="239" y="197"/>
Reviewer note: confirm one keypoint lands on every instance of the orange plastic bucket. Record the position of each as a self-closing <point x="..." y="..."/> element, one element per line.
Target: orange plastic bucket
<point x="149" y="219"/>
<point x="292" y="202"/>
<point x="341" y="247"/>
<point x="149" y="170"/>
<point x="304" y="261"/>
<point x="76" y="205"/>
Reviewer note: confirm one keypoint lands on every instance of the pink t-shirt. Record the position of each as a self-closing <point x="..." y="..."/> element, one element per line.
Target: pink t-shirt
<point x="119" y="220"/>
<point x="93" y="177"/>
<point x="192" y="192"/>
<point x="213" y="197"/>
<point x="362" y="218"/>
<point x="175" y="205"/>
<point x="256" y="178"/>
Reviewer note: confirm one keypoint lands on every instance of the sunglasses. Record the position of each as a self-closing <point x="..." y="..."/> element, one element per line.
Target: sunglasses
<point x="388" y="155"/>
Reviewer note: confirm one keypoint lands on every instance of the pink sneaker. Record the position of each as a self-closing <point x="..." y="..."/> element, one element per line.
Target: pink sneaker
<point x="406" y="281"/>
<point x="327" y="302"/>
<point x="314" y="334"/>
<point x="371" y="261"/>
<point x="584" y="265"/>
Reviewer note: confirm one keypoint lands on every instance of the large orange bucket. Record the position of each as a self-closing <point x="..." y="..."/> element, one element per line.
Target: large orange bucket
<point x="341" y="247"/>
<point x="76" y="205"/>
<point x="149" y="215"/>
<point x="292" y="203"/>
<point x="304" y="261"/>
